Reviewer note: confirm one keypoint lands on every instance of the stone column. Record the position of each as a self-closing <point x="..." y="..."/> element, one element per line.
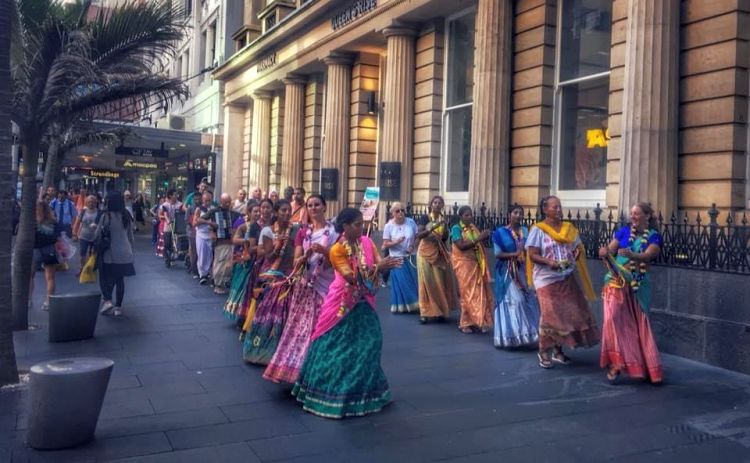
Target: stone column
<point x="337" y="125"/>
<point x="489" y="172"/>
<point x="231" y="160"/>
<point x="260" y="147"/>
<point x="398" y="98"/>
<point x="210" y="50"/>
<point x="648" y="167"/>
<point x="294" y="132"/>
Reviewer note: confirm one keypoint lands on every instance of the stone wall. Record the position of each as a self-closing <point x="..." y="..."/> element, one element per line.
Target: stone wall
<point x="533" y="84"/>
<point x="363" y="134"/>
<point x="428" y="109"/>
<point x="714" y="107"/>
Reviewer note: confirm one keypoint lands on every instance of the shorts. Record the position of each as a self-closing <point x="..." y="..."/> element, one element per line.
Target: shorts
<point x="45" y="256"/>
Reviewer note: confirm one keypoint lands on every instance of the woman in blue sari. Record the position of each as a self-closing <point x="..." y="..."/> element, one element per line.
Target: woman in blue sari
<point x="516" y="306"/>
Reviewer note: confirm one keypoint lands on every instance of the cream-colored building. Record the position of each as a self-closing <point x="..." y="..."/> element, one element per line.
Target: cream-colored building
<point x="495" y="101"/>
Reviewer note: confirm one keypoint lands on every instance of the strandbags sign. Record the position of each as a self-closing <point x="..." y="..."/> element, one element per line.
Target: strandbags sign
<point x="352" y="12"/>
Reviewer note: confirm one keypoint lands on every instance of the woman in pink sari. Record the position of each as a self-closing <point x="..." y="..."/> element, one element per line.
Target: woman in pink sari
<point x="342" y="374"/>
<point x="313" y="276"/>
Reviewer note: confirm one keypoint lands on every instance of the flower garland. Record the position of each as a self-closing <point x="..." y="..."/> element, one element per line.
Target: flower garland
<point x="470" y="233"/>
<point x="438" y="223"/>
<point x="637" y="270"/>
<point x="365" y="276"/>
<point x="281" y="239"/>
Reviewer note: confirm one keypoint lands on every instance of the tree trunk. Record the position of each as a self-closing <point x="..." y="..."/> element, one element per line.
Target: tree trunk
<point x="51" y="176"/>
<point x="8" y="367"/>
<point x="23" y="253"/>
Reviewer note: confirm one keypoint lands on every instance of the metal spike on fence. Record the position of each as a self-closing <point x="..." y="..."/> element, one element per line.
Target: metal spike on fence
<point x="698" y="219"/>
<point x="673" y="219"/>
<point x="730" y="220"/>
<point x="713" y="214"/>
<point x="744" y="219"/>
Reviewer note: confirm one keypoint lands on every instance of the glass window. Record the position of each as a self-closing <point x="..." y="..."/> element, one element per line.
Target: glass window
<point x="460" y="60"/>
<point x="584" y="135"/>
<point x="582" y="97"/>
<point x="585" y="38"/>
<point x="457" y="115"/>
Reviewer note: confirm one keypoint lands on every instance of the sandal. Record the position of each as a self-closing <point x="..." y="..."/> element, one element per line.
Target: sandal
<point x="544" y="361"/>
<point x="466" y="330"/>
<point x="613" y="376"/>
<point x="560" y="357"/>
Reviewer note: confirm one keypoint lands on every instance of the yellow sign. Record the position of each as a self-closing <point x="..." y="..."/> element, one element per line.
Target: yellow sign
<point x="597" y="138"/>
<point x="104" y="174"/>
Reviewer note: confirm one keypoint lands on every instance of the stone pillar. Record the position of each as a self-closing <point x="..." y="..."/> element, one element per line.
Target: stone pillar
<point x="398" y="98"/>
<point x="648" y="167"/>
<point x="489" y="172"/>
<point x="260" y="147"/>
<point x="337" y="124"/>
<point x="231" y="161"/>
<point x="294" y="132"/>
<point x="210" y="47"/>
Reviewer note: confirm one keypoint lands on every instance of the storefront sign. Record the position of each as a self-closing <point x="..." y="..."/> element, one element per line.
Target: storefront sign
<point x="390" y="181"/>
<point x="103" y="174"/>
<point x="141" y="152"/>
<point x="267" y="62"/>
<point x="352" y="12"/>
<point x="597" y="138"/>
<point x="370" y="203"/>
<point x="329" y="184"/>
<point x="130" y="164"/>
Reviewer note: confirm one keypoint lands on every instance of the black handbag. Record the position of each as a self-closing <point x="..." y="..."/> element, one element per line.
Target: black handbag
<point x="104" y="240"/>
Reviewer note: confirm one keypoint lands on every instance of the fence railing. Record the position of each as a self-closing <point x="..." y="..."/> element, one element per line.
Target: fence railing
<point x="696" y="244"/>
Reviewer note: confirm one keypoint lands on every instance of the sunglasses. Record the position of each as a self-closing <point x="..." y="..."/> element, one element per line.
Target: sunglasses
<point x="396" y="211"/>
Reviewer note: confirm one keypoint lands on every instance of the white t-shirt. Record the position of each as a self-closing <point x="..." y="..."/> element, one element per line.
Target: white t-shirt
<point x="394" y="231"/>
<point x="551" y="249"/>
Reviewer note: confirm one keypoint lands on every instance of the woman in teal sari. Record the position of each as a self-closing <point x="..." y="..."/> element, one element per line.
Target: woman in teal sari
<point x="342" y="375"/>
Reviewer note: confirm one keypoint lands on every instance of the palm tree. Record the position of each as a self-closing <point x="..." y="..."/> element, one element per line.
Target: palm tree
<point x="69" y="67"/>
<point x="8" y="368"/>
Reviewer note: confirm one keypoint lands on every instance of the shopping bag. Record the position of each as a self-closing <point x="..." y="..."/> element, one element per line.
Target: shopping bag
<point x="88" y="272"/>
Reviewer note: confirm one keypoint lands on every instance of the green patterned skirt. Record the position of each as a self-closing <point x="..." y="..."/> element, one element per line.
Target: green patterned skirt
<point x="342" y="374"/>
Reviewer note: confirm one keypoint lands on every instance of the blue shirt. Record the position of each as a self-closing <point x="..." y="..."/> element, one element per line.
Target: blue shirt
<point x="65" y="211"/>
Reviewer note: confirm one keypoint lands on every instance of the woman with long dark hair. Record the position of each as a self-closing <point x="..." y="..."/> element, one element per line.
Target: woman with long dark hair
<point x="342" y="375"/>
<point x="628" y="344"/>
<point x="45" y="254"/>
<point x="312" y="277"/>
<point x="277" y="244"/>
<point x="116" y="263"/>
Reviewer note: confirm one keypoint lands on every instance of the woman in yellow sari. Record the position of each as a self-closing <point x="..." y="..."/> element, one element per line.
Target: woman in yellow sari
<point x="472" y="273"/>
<point x="556" y="251"/>
<point x="437" y="290"/>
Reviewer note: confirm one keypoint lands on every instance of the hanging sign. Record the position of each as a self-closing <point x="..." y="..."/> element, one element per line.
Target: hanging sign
<point x="131" y="164"/>
<point x="329" y="184"/>
<point x="390" y="181"/>
<point x="103" y="174"/>
<point x="141" y="152"/>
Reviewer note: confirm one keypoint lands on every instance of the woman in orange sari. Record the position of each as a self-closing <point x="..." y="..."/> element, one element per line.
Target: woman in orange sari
<point x="472" y="273"/>
<point x="556" y="251"/>
<point x="628" y="344"/>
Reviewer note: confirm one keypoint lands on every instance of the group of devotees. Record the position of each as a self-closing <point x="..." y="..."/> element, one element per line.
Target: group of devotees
<point x="301" y="287"/>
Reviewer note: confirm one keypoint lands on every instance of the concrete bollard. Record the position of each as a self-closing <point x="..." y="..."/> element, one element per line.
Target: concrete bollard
<point x="72" y="317"/>
<point x="66" y="398"/>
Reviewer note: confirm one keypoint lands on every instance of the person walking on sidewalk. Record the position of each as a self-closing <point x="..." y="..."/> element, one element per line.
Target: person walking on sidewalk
<point x="85" y="229"/>
<point x="203" y="238"/>
<point x="45" y="255"/>
<point x="116" y="262"/>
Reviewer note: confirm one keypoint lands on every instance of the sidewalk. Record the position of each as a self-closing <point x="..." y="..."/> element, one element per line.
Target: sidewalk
<point x="180" y="392"/>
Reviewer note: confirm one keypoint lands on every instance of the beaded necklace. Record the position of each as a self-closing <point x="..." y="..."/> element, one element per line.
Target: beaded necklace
<point x="281" y="239"/>
<point x="469" y="232"/>
<point x="637" y="270"/>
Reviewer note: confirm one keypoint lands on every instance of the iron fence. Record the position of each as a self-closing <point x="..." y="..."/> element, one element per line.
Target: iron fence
<point x="696" y="244"/>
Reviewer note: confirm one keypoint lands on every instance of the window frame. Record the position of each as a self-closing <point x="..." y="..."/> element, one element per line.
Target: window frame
<point x="450" y="197"/>
<point x="570" y="198"/>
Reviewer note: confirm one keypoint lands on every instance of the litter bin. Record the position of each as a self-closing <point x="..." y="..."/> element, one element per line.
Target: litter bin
<point x="66" y="397"/>
<point x="72" y="317"/>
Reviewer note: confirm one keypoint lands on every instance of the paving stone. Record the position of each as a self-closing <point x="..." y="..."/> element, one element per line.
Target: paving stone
<point x="239" y="452"/>
<point x="160" y="422"/>
<point x="100" y="449"/>
<point x="234" y="432"/>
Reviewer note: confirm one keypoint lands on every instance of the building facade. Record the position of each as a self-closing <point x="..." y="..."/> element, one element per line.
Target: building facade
<point x="498" y="101"/>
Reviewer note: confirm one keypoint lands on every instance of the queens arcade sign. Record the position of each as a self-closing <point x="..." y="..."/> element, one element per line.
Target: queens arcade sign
<point x="352" y="12"/>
